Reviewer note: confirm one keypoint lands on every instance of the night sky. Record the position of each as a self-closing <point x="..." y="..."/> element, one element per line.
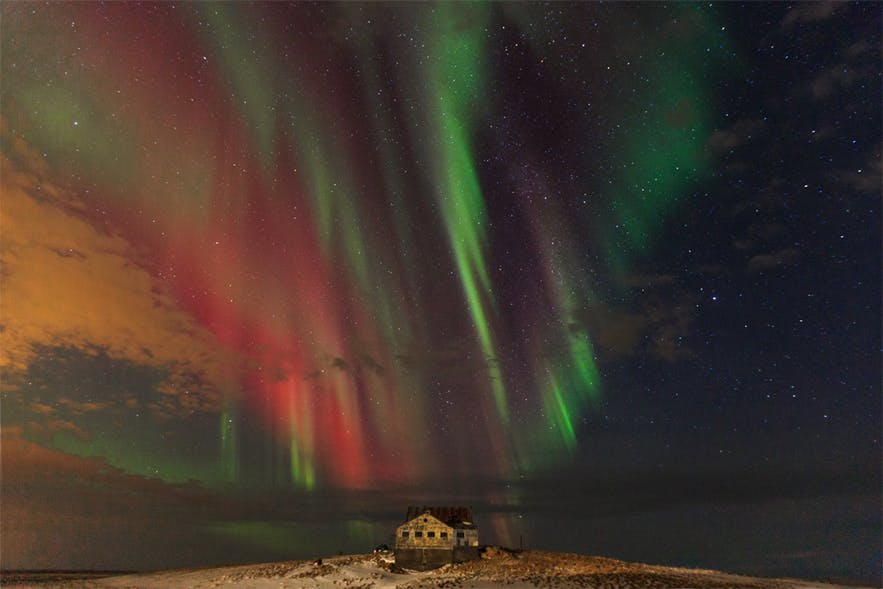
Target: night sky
<point x="610" y="274"/>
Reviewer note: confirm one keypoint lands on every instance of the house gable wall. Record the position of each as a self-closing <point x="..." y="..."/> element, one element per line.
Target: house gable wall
<point x="415" y="533"/>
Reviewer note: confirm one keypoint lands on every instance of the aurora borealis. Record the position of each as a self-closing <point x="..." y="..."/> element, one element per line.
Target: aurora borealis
<point x="272" y="272"/>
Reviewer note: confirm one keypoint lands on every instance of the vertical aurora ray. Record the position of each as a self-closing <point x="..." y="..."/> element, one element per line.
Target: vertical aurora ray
<point x="572" y="388"/>
<point x="564" y="366"/>
<point x="455" y="87"/>
<point x="233" y="36"/>
<point x="370" y="307"/>
<point x="229" y="423"/>
<point x="404" y="226"/>
<point x="301" y="449"/>
<point x="394" y="187"/>
<point x="558" y="411"/>
<point x="331" y="426"/>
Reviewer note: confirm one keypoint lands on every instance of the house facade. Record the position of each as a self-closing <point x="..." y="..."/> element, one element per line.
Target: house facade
<point x="431" y="537"/>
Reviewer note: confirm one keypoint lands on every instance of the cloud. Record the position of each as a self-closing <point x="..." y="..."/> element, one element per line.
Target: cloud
<point x="739" y="133"/>
<point x="67" y="283"/>
<point x="326" y="364"/>
<point x="79" y="407"/>
<point x="838" y="77"/>
<point x="779" y="259"/>
<point x="858" y="49"/>
<point x="41" y="408"/>
<point x="854" y="62"/>
<point x="46" y="429"/>
<point x="644" y="281"/>
<point x="67" y="396"/>
<point x="766" y="230"/>
<point x="618" y="331"/>
<point x="760" y="233"/>
<point x="808" y="12"/>
<point x="868" y="178"/>
<point x="456" y="360"/>
<point x="649" y="325"/>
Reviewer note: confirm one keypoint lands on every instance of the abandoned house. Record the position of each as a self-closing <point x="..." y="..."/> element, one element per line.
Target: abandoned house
<point x="434" y="536"/>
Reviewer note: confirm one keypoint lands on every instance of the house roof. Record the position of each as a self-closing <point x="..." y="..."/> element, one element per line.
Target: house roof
<point x="458" y="517"/>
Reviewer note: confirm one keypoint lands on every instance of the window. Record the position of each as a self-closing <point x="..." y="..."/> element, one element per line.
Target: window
<point x="418" y="534"/>
<point x="425" y="520"/>
<point x="444" y="534"/>
<point x="460" y="534"/>
<point x="404" y="534"/>
<point x="431" y="534"/>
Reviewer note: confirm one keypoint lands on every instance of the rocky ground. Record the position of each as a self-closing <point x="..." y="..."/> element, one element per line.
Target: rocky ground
<point x="498" y="568"/>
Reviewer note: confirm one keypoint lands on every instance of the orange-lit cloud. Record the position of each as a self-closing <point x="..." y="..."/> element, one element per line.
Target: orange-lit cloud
<point x="48" y="428"/>
<point x="67" y="283"/>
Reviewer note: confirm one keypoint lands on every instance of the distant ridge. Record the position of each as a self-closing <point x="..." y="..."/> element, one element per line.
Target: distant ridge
<point x="66" y="572"/>
<point x="47" y="579"/>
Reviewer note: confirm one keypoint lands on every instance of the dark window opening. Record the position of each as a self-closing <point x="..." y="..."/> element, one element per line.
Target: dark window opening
<point x="404" y="534"/>
<point x="425" y="520"/>
<point x="460" y="534"/>
<point x="444" y="534"/>
<point x="431" y="534"/>
<point x="418" y="534"/>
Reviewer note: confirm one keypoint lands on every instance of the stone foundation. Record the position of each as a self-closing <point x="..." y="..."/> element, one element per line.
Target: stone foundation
<point x="424" y="559"/>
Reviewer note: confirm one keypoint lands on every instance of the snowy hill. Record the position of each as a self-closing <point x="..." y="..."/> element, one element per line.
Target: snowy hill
<point x="496" y="569"/>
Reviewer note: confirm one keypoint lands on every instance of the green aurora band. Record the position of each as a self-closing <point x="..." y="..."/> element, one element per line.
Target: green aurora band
<point x="662" y="152"/>
<point x="456" y="96"/>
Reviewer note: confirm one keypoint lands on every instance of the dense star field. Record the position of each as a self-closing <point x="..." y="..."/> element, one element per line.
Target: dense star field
<point x="608" y="273"/>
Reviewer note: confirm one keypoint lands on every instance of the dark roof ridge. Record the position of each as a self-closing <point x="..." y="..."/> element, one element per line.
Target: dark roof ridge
<point x="443" y="513"/>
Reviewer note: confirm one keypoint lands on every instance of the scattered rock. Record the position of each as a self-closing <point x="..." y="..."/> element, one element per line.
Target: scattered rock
<point x="497" y="552"/>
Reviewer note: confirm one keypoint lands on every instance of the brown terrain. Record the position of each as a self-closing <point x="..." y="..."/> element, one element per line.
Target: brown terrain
<point x="497" y="568"/>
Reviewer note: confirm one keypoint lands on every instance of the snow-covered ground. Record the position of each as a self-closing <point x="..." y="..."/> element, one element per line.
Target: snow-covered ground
<point x="496" y="569"/>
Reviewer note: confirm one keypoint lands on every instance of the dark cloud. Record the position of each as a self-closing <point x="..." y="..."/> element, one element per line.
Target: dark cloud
<point x="739" y="133"/>
<point x="859" y="48"/>
<point x="453" y="360"/>
<point x="759" y="234"/>
<point x="373" y="365"/>
<point x="641" y="281"/>
<point x="354" y="366"/>
<point x="767" y="235"/>
<point x="810" y="12"/>
<point x="771" y="197"/>
<point x="77" y="382"/>
<point x="648" y="325"/>
<point x="867" y="179"/>
<point x="618" y="331"/>
<point x="839" y="78"/>
<point x="69" y="253"/>
<point x="776" y="260"/>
